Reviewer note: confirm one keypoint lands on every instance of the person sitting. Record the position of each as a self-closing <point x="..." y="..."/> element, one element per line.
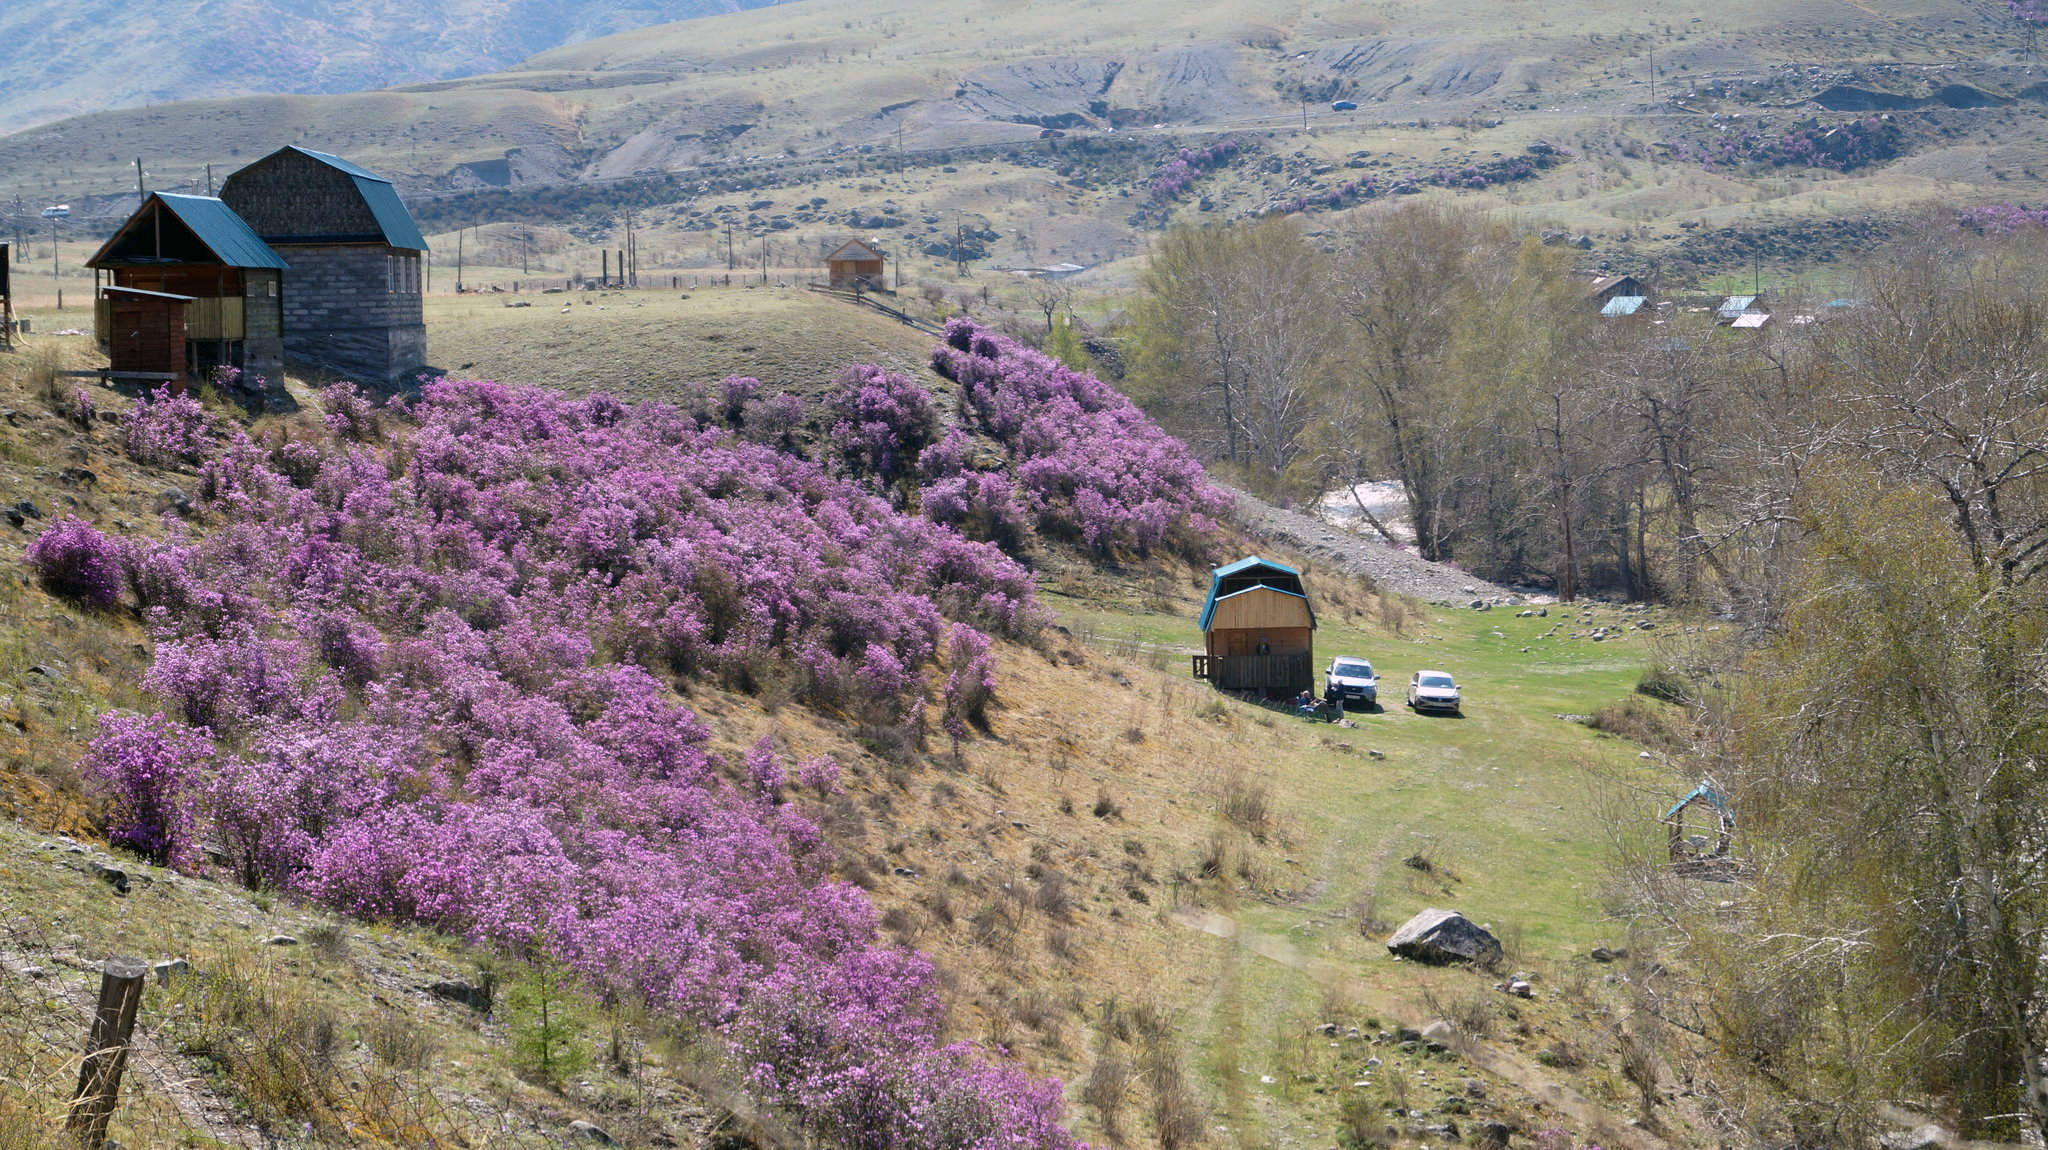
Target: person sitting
<point x="1264" y="648"/>
<point x="1307" y="704"/>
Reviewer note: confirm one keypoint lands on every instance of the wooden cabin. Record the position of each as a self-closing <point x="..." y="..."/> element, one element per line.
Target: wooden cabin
<point x="1259" y="630"/>
<point x="189" y="248"/>
<point x="353" y="301"/>
<point x="855" y="266"/>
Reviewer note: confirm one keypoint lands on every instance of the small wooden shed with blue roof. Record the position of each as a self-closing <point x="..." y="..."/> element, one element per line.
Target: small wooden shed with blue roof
<point x="1259" y="629"/>
<point x="192" y="289"/>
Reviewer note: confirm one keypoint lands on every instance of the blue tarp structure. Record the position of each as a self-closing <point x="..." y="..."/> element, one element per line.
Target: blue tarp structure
<point x="1624" y="305"/>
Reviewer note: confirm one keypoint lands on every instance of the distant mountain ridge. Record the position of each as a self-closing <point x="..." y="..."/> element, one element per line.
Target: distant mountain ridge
<point x="61" y="58"/>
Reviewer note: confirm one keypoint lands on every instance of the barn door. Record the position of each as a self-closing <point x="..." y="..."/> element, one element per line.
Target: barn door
<point x="1238" y="643"/>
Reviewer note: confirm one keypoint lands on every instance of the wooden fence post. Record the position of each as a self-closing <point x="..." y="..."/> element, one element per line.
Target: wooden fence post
<point x="106" y="1052"/>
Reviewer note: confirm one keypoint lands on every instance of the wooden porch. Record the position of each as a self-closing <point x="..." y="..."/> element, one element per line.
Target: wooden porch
<point x="1284" y="674"/>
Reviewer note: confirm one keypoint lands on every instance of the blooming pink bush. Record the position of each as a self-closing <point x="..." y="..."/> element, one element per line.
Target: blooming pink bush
<point x="78" y="563"/>
<point x="2003" y="217"/>
<point x="883" y="420"/>
<point x="436" y="662"/>
<point x="148" y="770"/>
<point x="165" y="428"/>
<point x="1087" y="464"/>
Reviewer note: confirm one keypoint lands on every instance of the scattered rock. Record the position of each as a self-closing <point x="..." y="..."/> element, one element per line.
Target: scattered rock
<point x="1608" y="954"/>
<point x="1521" y="989"/>
<point x="1329" y="1028"/>
<point x="1375" y="754"/>
<point x="113" y="876"/>
<point x="1441" y="1029"/>
<point x="46" y="671"/>
<point x="15" y="517"/>
<point x="591" y="1133"/>
<point x="1407" y="1034"/>
<point x="462" y="991"/>
<point x="1437" y="936"/>
<point x="168" y="970"/>
<point x="906" y="872"/>
<point x="175" y="497"/>
<point x="34" y="972"/>
<point x="29" y="509"/>
<point x="280" y="940"/>
<point x="1919" y="1138"/>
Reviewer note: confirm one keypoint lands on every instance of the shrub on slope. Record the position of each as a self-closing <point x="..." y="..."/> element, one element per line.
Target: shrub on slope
<point x="1084" y="463"/>
<point x="424" y="681"/>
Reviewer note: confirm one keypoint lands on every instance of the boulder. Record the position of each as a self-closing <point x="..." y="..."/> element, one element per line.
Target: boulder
<point x="462" y="991"/>
<point x="591" y="1132"/>
<point x="1440" y="936"/>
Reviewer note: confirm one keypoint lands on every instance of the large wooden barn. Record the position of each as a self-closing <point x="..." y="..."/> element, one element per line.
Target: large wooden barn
<point x="1259" y="629"/>
<point x="192" y="289"/>
<point x="353" y="300"/>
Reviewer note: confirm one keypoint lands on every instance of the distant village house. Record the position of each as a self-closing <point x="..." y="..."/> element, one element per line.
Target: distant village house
<point x="855" y="266"/>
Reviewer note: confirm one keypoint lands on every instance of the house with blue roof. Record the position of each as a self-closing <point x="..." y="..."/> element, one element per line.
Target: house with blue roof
<point x="185" y="286"/>
<point x="354" y="299"/>
<point x="1258" y="629"/>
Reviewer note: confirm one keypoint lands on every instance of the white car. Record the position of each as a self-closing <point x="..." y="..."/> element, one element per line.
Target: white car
<point x="1351" y="680"/>
<point x="1433" y="691"/>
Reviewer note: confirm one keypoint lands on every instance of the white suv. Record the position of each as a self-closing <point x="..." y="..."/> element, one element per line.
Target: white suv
<point x="1433" y="690"/>
<point x="1351" y="680"/>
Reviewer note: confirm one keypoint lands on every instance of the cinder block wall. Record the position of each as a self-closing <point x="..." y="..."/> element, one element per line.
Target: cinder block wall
<point x="339" y="311"/>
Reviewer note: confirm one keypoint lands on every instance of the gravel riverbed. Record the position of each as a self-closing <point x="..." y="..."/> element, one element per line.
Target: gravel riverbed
<point x="1404" y="572"/>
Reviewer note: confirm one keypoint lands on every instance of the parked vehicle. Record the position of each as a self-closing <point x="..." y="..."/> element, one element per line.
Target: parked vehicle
<point x="1344" y="106"/>
<point x="1433" y="691"/>
<point x="1350" y="679"/>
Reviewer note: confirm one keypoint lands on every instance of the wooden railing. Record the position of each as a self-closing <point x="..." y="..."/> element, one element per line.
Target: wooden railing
<point x="1288" y="673"/>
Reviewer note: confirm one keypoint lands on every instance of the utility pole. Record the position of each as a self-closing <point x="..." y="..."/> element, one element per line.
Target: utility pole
<point x="140" y="194"/>
<point x="458" y="260"/>
<point x="209" y="181"/>
<point x="1653" y="75"/>
<point x="524" y="243"/>
<point x="729" y="265"/>
<point x="1304" y="115"/>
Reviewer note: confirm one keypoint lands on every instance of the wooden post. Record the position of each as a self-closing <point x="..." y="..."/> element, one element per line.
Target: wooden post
<point x="106" y="1052"/>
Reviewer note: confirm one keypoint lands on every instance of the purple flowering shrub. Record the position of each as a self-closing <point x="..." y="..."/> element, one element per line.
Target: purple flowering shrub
<point x="148" y="771"/>
<point x="436" y="667"/>
<point x="972" y="683"/>
<point x="882" y="420"/>
<point x="1178" y="172"/>
<point x="165" y="428"/>
<point x="1085" y="462"/>
<point x="76" y="562"/>
<point x="2002" y="218"/>
<point x="1843" y="147"/>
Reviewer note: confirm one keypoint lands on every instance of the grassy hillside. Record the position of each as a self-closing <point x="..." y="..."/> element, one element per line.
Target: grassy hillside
<point x="1225" y="872"/>
<point x="711" y="115"/>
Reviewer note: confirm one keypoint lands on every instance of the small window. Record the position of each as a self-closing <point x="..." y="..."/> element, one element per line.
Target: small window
<point x="273" y="289"/>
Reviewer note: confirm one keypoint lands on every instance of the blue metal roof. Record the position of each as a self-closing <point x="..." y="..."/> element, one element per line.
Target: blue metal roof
<point x="1624" y="305"/>
<point x="1219" y="574"/>
<point x="392" y="217"/>
<point x="214" y="224"/>
<point x="1737" y="304"/>
<point x="219" y="228"/>
<point x="1703" y="791"/>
